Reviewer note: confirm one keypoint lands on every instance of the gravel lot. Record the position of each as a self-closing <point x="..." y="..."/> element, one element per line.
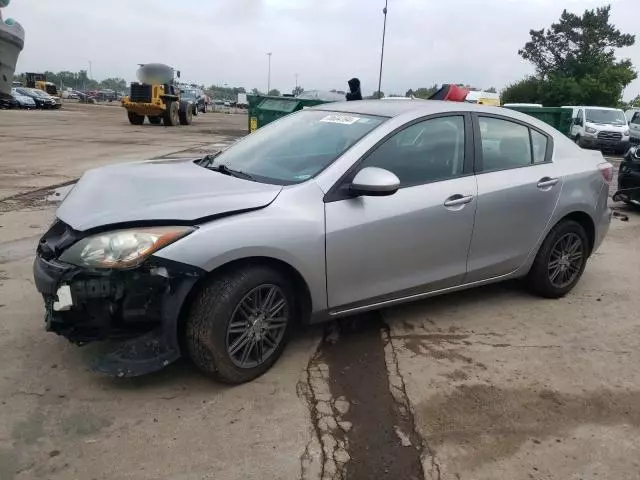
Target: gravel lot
<point x="485" y="384"/>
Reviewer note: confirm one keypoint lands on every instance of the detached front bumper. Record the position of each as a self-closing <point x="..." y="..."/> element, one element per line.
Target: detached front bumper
<point x="140" y="307"/>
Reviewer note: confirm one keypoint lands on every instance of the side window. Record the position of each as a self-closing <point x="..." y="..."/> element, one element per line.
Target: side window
<point x="636" y="118"/>
<point x="504" y="144"/>
<point x="426" y="152"/>
<point x="539" y="143"/>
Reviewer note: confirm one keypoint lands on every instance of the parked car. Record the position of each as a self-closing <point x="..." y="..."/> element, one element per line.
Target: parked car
<point x="197" y="100"/>
<point x="42" y="99"/>
<point x="53" y="101"/>
<point x="629" y="178"/>
<point x="633" y="117"/>
<point x="333" y="210"/>
<point x="8" y="102"/>
<point x="70" y="94"/>
<point x="600" y="127"/>
<point x="23" y="100"/>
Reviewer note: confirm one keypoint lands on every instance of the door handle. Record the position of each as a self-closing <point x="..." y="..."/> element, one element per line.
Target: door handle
<point x="547" y="182"/>
<point x="457" y="200"/>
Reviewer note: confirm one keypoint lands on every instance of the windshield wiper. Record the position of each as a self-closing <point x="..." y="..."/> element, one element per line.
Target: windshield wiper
<point x="222" y="168"/>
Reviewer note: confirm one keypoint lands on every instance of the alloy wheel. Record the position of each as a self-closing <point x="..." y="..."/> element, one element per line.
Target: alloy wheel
<point x="566" y="260"/>
<point x="257" y="326"/>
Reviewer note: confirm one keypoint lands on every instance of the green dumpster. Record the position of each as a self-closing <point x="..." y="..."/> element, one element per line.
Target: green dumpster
<point x="558" y="117"/>
<point x="264" y="109"/>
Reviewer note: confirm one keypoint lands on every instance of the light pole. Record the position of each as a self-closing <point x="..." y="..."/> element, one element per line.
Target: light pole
<point x="384" y="32"/>
<point x="269" y="77"/>
<point x="90" y="72"/>
<point x="296" y="81"/>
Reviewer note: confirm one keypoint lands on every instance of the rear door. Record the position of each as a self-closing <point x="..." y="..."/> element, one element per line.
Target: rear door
<point x="518" y="189"/>
<point x="634" y="127"/>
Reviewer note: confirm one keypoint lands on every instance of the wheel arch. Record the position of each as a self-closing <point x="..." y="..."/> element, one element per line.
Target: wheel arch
<point x="585" y="220"/>
<point x="299" y="284"/>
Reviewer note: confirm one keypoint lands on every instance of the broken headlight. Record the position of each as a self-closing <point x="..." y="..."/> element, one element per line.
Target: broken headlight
<point x="122" y="248"/>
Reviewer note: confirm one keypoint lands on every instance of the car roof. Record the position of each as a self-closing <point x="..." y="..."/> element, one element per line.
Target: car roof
<point x="384" y="108"/>
<point x="413" y="109"/>
<point x="592" y="107"/>
<point x="418" y="108"/>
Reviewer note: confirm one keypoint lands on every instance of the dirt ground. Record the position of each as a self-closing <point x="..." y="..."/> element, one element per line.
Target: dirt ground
<point x="485" y="384"/>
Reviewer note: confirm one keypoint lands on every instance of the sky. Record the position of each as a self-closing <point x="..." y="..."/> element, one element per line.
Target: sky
<point x="324" y="42"/>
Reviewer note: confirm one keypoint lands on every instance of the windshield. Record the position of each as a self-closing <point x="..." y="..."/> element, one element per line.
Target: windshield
<point x="297" y="147"/>
<point x="188" y="94"/>
<point x="608" y="117"/>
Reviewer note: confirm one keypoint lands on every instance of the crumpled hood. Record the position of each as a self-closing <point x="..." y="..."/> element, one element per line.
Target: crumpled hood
<point x="158" y="191"/>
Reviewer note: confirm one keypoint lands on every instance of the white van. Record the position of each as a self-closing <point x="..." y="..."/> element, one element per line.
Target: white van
<point x="600" y="127"/>
<point x="633" y="117"/>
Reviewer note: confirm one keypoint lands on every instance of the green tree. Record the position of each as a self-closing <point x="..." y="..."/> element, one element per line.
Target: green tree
<point x="255" y="91"/>
<point x="492" y="90"/>
<point x="575" y="60"/>
<point x="524" y="91"/>
<point x="297" y="91"/>
<point x="424" y="92"/>
<point x="274" y="92"/>
<point x="115" y="84"/>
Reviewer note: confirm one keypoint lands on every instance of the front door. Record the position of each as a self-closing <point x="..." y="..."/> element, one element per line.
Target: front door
<point x="518" y="189"/>
<point x="416" y="240"/>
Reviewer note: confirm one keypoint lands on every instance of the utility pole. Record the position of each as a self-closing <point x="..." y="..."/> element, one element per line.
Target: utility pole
<point x="296" y="81"/>
<point x="384" y="32"/>
<point x="90" y="72"/>
<point x="269" y="76"/>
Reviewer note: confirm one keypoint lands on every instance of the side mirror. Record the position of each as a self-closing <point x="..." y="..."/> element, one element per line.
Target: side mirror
<point x="578" y="122"/>
<point x="374" y="182"/>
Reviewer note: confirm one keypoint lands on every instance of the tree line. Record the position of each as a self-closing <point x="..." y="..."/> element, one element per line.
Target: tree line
<point x="79" y="81"/>
<point x="575" y="63"/>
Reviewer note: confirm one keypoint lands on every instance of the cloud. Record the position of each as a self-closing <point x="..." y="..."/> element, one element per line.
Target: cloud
<point x="325" y="42"/>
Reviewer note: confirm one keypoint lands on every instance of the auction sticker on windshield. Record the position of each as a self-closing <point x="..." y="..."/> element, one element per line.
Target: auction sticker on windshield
<point x="342" y="119"/>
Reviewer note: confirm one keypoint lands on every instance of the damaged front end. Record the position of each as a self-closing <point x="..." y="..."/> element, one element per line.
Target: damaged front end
<point x="136" y="303"/>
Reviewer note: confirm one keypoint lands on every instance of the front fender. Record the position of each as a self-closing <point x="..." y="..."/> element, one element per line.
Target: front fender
<point x="291" y="230"/>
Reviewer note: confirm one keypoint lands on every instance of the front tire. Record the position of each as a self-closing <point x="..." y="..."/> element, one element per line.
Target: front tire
<point x="240" y="323"/>
<point x="186" y="113"/>
<point x="171" y="114"/>
<point x="578" y="141"/>
<point x="135" y="119"/>
<point x="560" y="262"/>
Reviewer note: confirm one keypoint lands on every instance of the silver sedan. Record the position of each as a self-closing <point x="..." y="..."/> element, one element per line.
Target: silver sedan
<point x="334" y="210"/>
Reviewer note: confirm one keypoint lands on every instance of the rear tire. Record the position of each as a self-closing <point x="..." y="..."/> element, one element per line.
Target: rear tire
<point x="228" y="334"/>
<point x="155" y="120"/>
<point x="135" y="119"/>
<point x="171" y="114"/>
<point x="560" y="261"/>
<point x="186" y="113"/>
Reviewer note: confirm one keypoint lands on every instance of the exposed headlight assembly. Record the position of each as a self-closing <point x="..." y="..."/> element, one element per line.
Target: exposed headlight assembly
<point x="122" y="248"/>
<point x="590" y="130"/>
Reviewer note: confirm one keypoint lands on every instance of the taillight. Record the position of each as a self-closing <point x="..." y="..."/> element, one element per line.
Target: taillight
<point x="606" y="170"/>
